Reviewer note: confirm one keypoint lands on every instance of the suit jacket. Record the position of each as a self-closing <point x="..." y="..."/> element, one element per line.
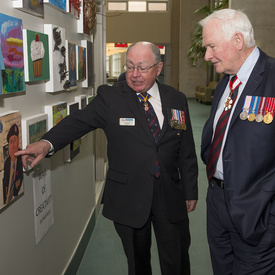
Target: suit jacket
<point x="248" y="155"/>
<point x="132" y="153"/>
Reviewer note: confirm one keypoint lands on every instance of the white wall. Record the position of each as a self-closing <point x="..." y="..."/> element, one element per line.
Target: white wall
<point x="73" y="184"/>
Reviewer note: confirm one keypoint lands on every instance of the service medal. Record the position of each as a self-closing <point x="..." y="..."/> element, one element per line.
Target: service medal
<point x="259" y="118"/>
<point x="251" y="117"/>
<point x="268" y="118"/>
<point x="244" y="115"/>
<point x="228" y="104"/>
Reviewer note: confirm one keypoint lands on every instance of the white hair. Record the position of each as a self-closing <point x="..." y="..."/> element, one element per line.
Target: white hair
<point x="233" y="21"/>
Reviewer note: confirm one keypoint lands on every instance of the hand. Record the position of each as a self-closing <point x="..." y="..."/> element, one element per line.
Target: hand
<point x="191" y="205"/>
<point x="34" y="153"/>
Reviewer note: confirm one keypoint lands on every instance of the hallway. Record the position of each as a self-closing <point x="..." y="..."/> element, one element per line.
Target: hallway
<point x="104" y="254"/>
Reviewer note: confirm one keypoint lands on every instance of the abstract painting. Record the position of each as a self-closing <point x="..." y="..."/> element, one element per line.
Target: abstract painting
<point x="71" y="61"/>
<point x="11" y="54"/>
<point x="56" y="112"/>
<point x="34" y="7"/>
<point x="81" y="63"/>
<point x="36" y="56"/>
<point x="57" y="4"/>
<point x="59" y="79"/>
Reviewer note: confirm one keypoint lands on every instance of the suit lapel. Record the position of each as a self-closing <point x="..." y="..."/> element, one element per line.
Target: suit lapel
<point x="165" y="102"/>
<point x="253" y="82"/>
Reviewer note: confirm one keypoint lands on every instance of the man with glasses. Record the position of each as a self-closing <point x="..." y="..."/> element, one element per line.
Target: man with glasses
<point x="152" y="175"/>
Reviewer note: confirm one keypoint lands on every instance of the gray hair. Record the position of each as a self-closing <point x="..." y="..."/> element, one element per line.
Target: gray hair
<point x="233" y="21"/>
<point x="154" y="48"/>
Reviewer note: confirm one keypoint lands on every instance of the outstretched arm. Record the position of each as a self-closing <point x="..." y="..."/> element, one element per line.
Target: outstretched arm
<point x="34" y="153"/>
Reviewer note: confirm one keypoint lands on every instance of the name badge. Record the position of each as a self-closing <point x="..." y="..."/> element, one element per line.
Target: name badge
<point x="127" y="122"/>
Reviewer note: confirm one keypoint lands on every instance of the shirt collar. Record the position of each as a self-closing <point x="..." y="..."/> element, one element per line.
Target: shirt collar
<point x="247" y="67"/>
<point x="154" y="91"/>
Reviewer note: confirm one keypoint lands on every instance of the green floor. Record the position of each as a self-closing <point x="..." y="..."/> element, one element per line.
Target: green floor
<point x="104" y="254"/>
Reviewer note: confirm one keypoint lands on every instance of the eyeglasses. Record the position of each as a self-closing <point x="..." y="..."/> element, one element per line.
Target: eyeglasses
<point x="141" y="69"/>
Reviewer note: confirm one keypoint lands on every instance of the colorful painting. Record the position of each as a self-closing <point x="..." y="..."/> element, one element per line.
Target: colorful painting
<point x="81" y="63"/>
<point x="74" y="7"/>
<point x="11" y="168"/>
<point x="89" y="81"/>
<point x="36" y="56"/>
<point x="33" y="128"/>
<point x="58" y="4"/>
<point x="59" y="79"/>
<point x="11" y="41"/>
<point x="56" y="112"/>
<point x="34" y="7"/>
<point x="71" y="60"/>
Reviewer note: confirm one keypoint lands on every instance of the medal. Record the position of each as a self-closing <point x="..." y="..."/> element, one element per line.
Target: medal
<point x="247" y="102"/>
<point x="228" y="103"/>
<point x="255" y="103"/>
<point x="259" y="117"/>
<point x="232" y="86"/>
<point x="268" y="117"/>
<point x="146" y="106"/>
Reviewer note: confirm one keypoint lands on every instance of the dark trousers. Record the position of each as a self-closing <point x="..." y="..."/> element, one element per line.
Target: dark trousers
<point x="173" y="241"/>
<point x="230" y="254"/>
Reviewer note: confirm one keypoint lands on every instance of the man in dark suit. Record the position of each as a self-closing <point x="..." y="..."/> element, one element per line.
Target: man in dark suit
<point x="152" y="175"/>
<point x="239" y="150"/>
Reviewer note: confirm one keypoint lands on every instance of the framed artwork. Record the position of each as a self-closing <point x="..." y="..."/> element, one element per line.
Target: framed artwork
<point x="36" y="56"/>
<point x="34" y="7"/>
<point x="73" y="149"/>
<point x="74" y="7"/>
<point x="87" y="17"/>
<point x="71" y="61"/>
<point x="89" y="81"/>
<point x="60" y="5"/>
<point x="11" y="54"/>
<point x="59" y="79"/>
<point x="11" y="167"/>
<point x="33" y="128"/>
<point x="55" y="112"/>
<point x="81" y="63"/>
<point x="82" y="101"/>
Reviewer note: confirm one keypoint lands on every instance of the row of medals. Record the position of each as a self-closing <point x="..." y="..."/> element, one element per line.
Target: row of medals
<point x="267" y="118"/>
<point x="176" y="124"/>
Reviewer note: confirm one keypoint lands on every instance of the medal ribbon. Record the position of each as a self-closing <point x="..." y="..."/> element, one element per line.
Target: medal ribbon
<point x="234" y="85"/>
<point x="256" y="104"/>
<point x="270" y="105"/>
<point x="247" y="103"/>
<point x="262" y="105"/>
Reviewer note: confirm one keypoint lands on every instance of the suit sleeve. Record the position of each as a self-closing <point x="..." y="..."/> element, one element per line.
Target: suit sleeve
<point x="187" y="160"/>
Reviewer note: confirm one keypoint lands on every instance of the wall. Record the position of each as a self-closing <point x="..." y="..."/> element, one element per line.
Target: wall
<point x="73" y="184"/>
<point x="189" y="77"/>
<point x="137" y="26"/>
<point x="261" y="15"/>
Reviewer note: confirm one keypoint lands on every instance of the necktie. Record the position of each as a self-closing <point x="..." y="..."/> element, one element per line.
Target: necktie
<point x="221" y="126"/>
<point x="152" y="121"/>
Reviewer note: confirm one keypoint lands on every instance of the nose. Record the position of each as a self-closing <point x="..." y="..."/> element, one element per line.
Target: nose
<point x="135" y="72"/>
<point x="208" y="54"/>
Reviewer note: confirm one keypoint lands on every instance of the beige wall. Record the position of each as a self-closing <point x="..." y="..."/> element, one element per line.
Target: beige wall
<point x="261" y="14"/>
<point x="133" y="27"/>
<point x="189" y="77"/>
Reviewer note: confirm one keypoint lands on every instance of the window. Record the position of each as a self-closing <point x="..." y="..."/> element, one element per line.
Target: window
<point x="138" y="5"/>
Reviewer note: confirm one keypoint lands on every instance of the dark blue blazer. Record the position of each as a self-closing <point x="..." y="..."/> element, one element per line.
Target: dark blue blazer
<point x="248" y="156"/>
<point x="132" y="153"/>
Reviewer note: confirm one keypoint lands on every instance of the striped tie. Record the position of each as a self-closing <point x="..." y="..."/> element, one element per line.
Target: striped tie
<point x="152" y="121"/>
<point x="221" y="126"/>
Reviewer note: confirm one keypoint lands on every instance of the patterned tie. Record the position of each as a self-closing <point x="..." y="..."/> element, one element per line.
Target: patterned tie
<point x="221" y="126"/>
<point x="152" y="121"/>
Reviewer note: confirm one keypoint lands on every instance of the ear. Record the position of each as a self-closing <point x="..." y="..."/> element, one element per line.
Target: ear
<point x="159" y="66"/>
<point x="239" y="40"/>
